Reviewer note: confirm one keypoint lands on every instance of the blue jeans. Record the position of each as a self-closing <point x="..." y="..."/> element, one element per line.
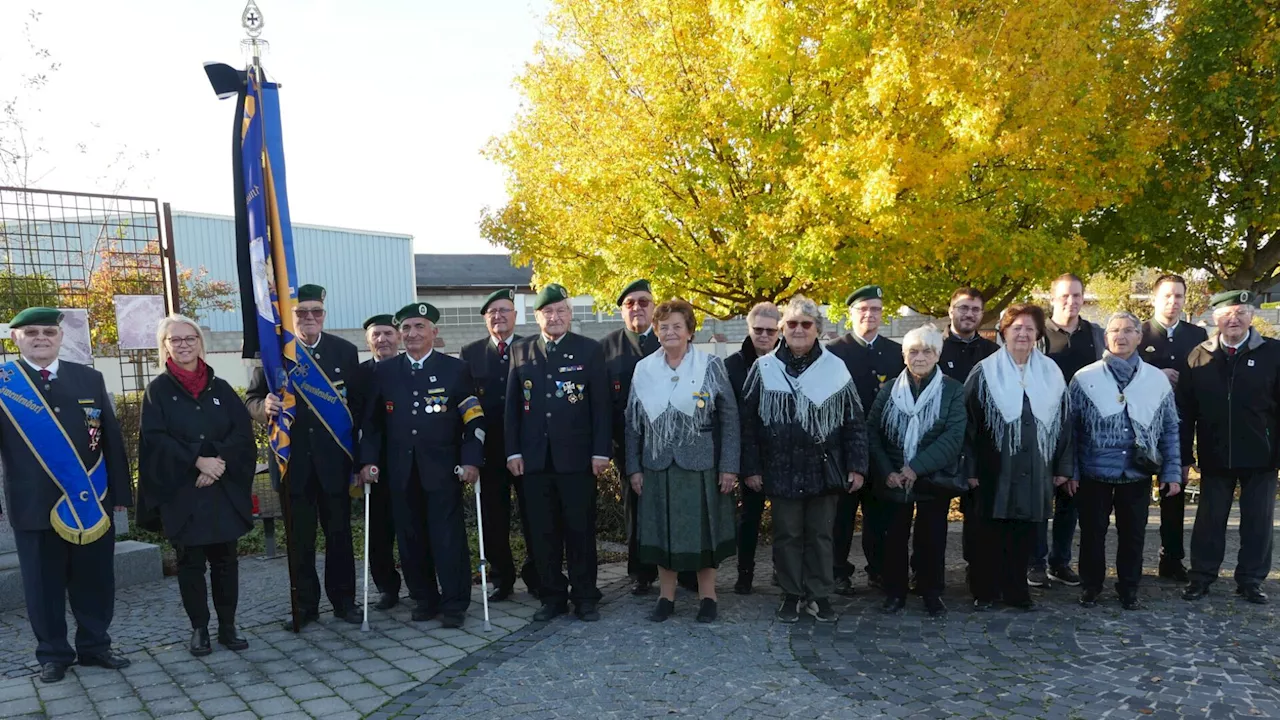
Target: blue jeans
<point x="1065" y="516"/>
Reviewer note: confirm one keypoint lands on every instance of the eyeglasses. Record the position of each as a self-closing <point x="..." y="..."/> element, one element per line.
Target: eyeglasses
<point x="316" y="313"/>
<point x="49" y="331"/>
<point x="641" y="303"/>
<point x="556" y="312"/>
<point x="967" y="309"/>
<point x="764" y="331"/>
<point x="806" y="324"/>
<point x="495" y="312"/>
<point x="186" y="341"/>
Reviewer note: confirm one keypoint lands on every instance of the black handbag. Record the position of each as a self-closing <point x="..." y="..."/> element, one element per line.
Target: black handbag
<point x="1147" y="461"/>
<point x="833" y="477"/>
<point x="950" y="480"/>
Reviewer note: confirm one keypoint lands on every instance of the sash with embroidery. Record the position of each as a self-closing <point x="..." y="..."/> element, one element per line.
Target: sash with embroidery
<point x="327" y="400"/>
<point x="78" y="517"/>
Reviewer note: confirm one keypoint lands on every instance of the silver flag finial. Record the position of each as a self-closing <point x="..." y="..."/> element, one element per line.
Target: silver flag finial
<point x="251" y="19"/>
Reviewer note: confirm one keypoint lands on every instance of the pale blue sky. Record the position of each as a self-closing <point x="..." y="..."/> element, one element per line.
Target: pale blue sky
<point x="386" y="104"/>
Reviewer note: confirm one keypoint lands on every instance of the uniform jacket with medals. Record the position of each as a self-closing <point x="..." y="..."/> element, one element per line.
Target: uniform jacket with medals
<point x="870" y="366"/>
<point x="428" y="418"/>
<point x="558" y="405"/>
<point x="78" y="396"/>
<point x="489" y="373"/>
<point x="309" y="439"/>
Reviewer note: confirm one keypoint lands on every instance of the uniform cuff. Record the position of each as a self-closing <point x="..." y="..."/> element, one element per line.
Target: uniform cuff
<point x="513" y="457"/>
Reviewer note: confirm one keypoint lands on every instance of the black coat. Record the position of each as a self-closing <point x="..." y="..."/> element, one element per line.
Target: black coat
<point x="622" y="351"/>
<point x="414" y="417"/>
<point x="1231" y="405"/>
<point x="29" y="491"/>
<point x="309" y="440"/>
<point x="738" y="365"/>
<point x="552" y="433"/>
<point x="871" y="367"/>
<point x="959" y="357"/>
<point x="176" y="430"/>
<point x="1159" y="351"/>
<point x="489" y="372"/>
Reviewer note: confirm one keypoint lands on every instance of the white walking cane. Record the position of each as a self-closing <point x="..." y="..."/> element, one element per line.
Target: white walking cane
<point x="484" y="564"/>
<point x="364" y="627"/>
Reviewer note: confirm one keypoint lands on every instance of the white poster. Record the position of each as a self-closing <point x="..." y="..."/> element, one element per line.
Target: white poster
<point x="76" y="347"/>
<point x="137" y="317"/>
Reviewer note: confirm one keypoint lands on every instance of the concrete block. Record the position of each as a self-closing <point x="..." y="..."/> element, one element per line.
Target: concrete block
<point x="136" y="563"/>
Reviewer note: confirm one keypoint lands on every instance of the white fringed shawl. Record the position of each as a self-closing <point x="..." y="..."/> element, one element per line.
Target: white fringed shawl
<point x="1002" y="388"/>
<point x="1147" y="399"/>
<point x="822" y="397"/>
<point x="669" y="406"/>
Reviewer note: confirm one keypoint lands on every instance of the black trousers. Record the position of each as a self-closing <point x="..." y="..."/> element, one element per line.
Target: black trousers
<point x="224" y="576"/>
<point x="1173" y="512"/>
<point x="875" y="525"/>
<point x="382" y="538"/>
<point x="1209" y="535"/>
<point x="749" y="528"/>
<point x="562" y="521"/>
<point x="313" y="509"/>
<point x="999" y="568"/>
<point x="969" y="530"/>
<point x="434" y="555"/>
<point x="930" y="543"/>
<point x="495" y="500"/>
<point x="1096" y="500"/>
<point x="55" y="571"/>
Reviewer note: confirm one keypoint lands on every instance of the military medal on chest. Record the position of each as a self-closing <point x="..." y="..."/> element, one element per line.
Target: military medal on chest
<point x="93" y="420"/>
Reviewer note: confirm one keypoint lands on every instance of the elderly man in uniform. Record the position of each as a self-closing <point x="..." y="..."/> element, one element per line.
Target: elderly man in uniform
<point x="1167" y="341"/>
<point x="872" y="361"/>
<point x="558" y="438"/>
<point x="1229" y="396"/>
<point x="322" y="446"/>
<point x="425" y="419"/>
<point x="383" y="340"/>
<point x="65" y="470"/>
<point x="490" y="362"/>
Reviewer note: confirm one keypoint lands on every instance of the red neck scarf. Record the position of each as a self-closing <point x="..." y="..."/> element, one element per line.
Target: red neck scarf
<point x="193" y="381"/>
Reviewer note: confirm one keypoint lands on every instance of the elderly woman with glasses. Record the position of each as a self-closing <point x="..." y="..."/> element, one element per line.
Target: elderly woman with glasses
<point x="804" y="442"/>
<point x="196" y="462"/>
<point x="916" y="430"/>
<point x="1126" y="430"/>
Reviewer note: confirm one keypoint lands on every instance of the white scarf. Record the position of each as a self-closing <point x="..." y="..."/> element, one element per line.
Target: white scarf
<point x="1002" y="388"/>
<point x="908" y="417"/>
<point x="1147" y="399"/>
<point x="822" y="395"/>
<point x="668" y="405"/>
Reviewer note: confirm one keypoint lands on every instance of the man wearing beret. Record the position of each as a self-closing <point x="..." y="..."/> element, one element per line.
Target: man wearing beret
<point x="872" y="361"/>
<point x="318" y="477"/>
<point x="1167" y="341"/>
<point x="65" y="470"/>
<point x="424" y="418"/>
<point x="1229" y="397"/>
<point x="490" y="360"/>
<point x="382" y="337"/>
<point x="558" y="438"/>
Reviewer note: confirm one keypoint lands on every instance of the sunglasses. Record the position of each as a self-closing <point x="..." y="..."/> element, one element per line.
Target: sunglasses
<point x="765" y="331"/>
<point x="641" y="303"/>
<point x="793" y="324"/>
<point x="309" y="313"/>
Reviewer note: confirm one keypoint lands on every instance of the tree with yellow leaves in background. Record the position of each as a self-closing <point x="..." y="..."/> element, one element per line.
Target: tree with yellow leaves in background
<point x="735" y="151"/>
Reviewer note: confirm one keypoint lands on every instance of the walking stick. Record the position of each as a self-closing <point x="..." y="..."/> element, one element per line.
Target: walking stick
<point x="364" y="627"/>
<point x="484" y="564"/>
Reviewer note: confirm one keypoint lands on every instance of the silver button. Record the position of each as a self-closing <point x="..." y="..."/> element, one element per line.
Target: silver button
<point x="413" y="412"/>
<point x="548" y="376"/>
<point x="202" y="437"/>
<point x="413" y="432"/>
<point x="57" y="409"/>
<point x="548" y="414"/>
<point x="548" y="394"/>
<point x="415" y="393"/>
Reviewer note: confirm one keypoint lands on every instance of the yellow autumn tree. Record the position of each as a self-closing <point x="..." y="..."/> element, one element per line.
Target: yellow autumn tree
<point x="735" y="151"/>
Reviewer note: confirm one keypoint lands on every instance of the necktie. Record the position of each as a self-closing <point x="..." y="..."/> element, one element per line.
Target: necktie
<point x="502" y="347"/>
<point x="551" y="347"/>
<point x="44" y="374"/>
<point x="417" y="365"/>
<point x="1231" y="350"/>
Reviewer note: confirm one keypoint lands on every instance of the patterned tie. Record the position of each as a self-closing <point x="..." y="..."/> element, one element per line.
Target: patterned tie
<point x="45" y="374"/>
<point x="502" y="347"/>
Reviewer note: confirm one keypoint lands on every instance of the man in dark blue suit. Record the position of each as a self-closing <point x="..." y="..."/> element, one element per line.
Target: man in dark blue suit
<point x="424" y="418"/>
<point x="383" y="339"/>
<point x="490" y="361"/>
<point x="70" y="555"/>
<point x="558" y="437"/>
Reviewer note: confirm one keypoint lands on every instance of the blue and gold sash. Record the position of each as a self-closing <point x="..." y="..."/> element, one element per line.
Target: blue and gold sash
<point x="78" y="517"/>
<point x="327" y="400"/>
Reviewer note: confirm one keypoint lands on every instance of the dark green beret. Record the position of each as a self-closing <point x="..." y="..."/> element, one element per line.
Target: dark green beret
<point x="496" y="295"/>
<point x="384" y="319"/>
<point x="640" y="285"/>
<point x="866" y="292"/>
<point x="308" y="293"/>
<point x="1227" y="298"/>
<point x="36" y="316"/>
<point x="417" y="310"/>
<point x="552" y="293"/>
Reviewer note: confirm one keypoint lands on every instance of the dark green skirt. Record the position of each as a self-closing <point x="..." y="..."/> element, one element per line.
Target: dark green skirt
<point x="683" y="520"/>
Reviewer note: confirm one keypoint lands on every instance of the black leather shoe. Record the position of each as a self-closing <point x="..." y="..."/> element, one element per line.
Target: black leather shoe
<point x="663" y="610"/>
<point x="1196" y="590"/>
<point x="587" y="612"/>
<point x="642" y="587"/>
<point x="1173" y="571"/>
<point x="387" y="600"/>
<point x="743" y="586"/>
<point x="305" y="618"/>
<point x="110" y="660"/>
<point x="1252" y="594"/>
<point x="350" y="615"/>
<point x="981" y="605"/>
<point x="230" y="639"/>
<point x="1089" y="598"/>
<point x="550" y="611"/>
<point x="452" y="619"/>
<point x="1025" y="605"/>
<point x="844" y="587"/>
<point x="893" y="604"/>
<point x="707" y="610"/>
<point x="874" y="580"/>
<point x="688" y="581"/>
<point x="423" y="613"/>
<point x="52" y="672"/>
<point x="199" y="645"/>
<point x="1130" y="601"/>
<point x="934" y="606"/>
<point x="500" y="594"/>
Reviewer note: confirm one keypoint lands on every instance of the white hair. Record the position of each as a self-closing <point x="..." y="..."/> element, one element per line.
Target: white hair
<point x="801" y="305"/>
<point x="162" y="332"/>
<point x="766" y="310"/>
<point x="926" y="336"/>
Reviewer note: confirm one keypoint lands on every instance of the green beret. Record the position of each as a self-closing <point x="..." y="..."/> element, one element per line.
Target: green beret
<point x="308" y="293"/>
<point x="552" y="293"/>
<point x="36" y="316"/>
<point x="640" y="285"/>
<point x="1227" y="298"/>
<point x="384" y="319"/>
<point x="417" y="310"/>
<point x="866" y="292"/>
<point x="496" y="295"/>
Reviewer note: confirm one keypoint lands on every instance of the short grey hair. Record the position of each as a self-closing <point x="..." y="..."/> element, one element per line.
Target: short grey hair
<point x="801" y="305"/>
<point x="162" y="332"/>
<point x="927" y="337"/>
<point x="1123" y="315"/>
<point x="765" y="310"/>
